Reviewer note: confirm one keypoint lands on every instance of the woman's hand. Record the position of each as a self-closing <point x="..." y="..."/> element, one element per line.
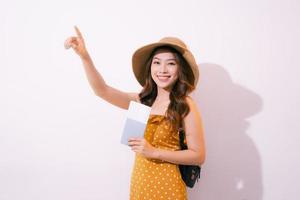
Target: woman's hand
<point x="141" y="146"/>
<point x="77" y="44"/>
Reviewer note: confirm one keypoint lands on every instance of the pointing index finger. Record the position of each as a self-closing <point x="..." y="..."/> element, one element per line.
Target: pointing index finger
<point x="78" y="32"/>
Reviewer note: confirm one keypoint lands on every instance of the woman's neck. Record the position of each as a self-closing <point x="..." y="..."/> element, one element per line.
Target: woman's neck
<point x="162" y="95"/>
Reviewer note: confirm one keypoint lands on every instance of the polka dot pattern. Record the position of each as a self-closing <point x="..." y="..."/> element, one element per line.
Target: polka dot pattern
<point x="154" y="179"/>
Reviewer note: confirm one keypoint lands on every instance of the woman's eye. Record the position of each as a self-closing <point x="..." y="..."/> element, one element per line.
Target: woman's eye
<point x="156" y="62"/>
<point x="172" y="63"/>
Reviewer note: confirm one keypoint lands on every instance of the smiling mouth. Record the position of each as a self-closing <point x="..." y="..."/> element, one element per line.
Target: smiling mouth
<point x="163" y="78"/>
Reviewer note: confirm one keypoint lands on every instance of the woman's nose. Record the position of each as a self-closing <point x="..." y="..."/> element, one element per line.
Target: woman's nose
<point x="163" y="68"/>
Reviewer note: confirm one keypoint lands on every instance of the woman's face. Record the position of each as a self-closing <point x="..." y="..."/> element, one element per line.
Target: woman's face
<point x="164" y="69"/>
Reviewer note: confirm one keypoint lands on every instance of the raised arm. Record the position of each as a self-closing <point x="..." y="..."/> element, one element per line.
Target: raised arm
<point x="100" y="88"/>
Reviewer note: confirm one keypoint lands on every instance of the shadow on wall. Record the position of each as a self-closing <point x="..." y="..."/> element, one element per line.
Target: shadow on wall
<point x="232" y="170"/>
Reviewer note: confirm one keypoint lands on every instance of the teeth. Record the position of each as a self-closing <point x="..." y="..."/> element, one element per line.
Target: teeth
<point x="163" y="78"/>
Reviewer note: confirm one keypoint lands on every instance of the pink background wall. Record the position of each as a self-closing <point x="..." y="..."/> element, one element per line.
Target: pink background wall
<point x="59" y="141"/>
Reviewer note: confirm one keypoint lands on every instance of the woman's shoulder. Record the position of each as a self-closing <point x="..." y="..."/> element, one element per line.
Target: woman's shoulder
<point x="134" y="97"/>
<point x="192" y="104"/>
<point x="194" y="115"/>
<point x="190" y="100"/>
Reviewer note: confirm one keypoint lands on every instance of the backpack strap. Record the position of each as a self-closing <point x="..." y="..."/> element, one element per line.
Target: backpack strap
<point x="182" y="137"/>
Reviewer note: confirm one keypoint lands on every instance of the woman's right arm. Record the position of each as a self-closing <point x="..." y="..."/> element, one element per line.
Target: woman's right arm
<point x="100" y="88"/>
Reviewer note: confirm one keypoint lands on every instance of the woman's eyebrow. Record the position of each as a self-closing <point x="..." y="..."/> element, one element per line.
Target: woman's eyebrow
<point x="166" y="59"/>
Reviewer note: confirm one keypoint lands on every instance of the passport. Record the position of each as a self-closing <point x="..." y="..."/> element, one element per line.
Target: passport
<point x="136" y="121"/>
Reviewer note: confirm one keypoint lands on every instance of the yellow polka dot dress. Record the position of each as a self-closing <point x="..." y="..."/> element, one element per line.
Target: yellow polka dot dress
<point x="154" y="179"/>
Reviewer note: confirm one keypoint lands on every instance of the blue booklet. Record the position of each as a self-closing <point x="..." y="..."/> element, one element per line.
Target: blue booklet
<point x="136" y="121"/>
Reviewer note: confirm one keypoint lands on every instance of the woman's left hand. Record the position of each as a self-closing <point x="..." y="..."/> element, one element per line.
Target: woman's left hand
<point x="141" y="146"/>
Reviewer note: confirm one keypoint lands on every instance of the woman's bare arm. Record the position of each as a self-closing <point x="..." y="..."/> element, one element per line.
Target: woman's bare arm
<point x="106" y="92"/>
<point x="96" y="81"/>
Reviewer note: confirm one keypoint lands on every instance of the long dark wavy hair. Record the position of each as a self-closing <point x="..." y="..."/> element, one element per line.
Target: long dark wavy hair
<point x="178" y="107"/>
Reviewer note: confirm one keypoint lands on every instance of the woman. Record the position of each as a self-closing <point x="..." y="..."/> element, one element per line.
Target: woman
<point x="168" y="73"/>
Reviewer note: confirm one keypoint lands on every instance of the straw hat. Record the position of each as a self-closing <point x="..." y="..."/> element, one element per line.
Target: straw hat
<point x="141" y="56"/>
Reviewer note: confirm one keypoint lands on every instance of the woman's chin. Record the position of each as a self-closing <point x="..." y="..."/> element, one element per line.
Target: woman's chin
<point x="165" y="86"/>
